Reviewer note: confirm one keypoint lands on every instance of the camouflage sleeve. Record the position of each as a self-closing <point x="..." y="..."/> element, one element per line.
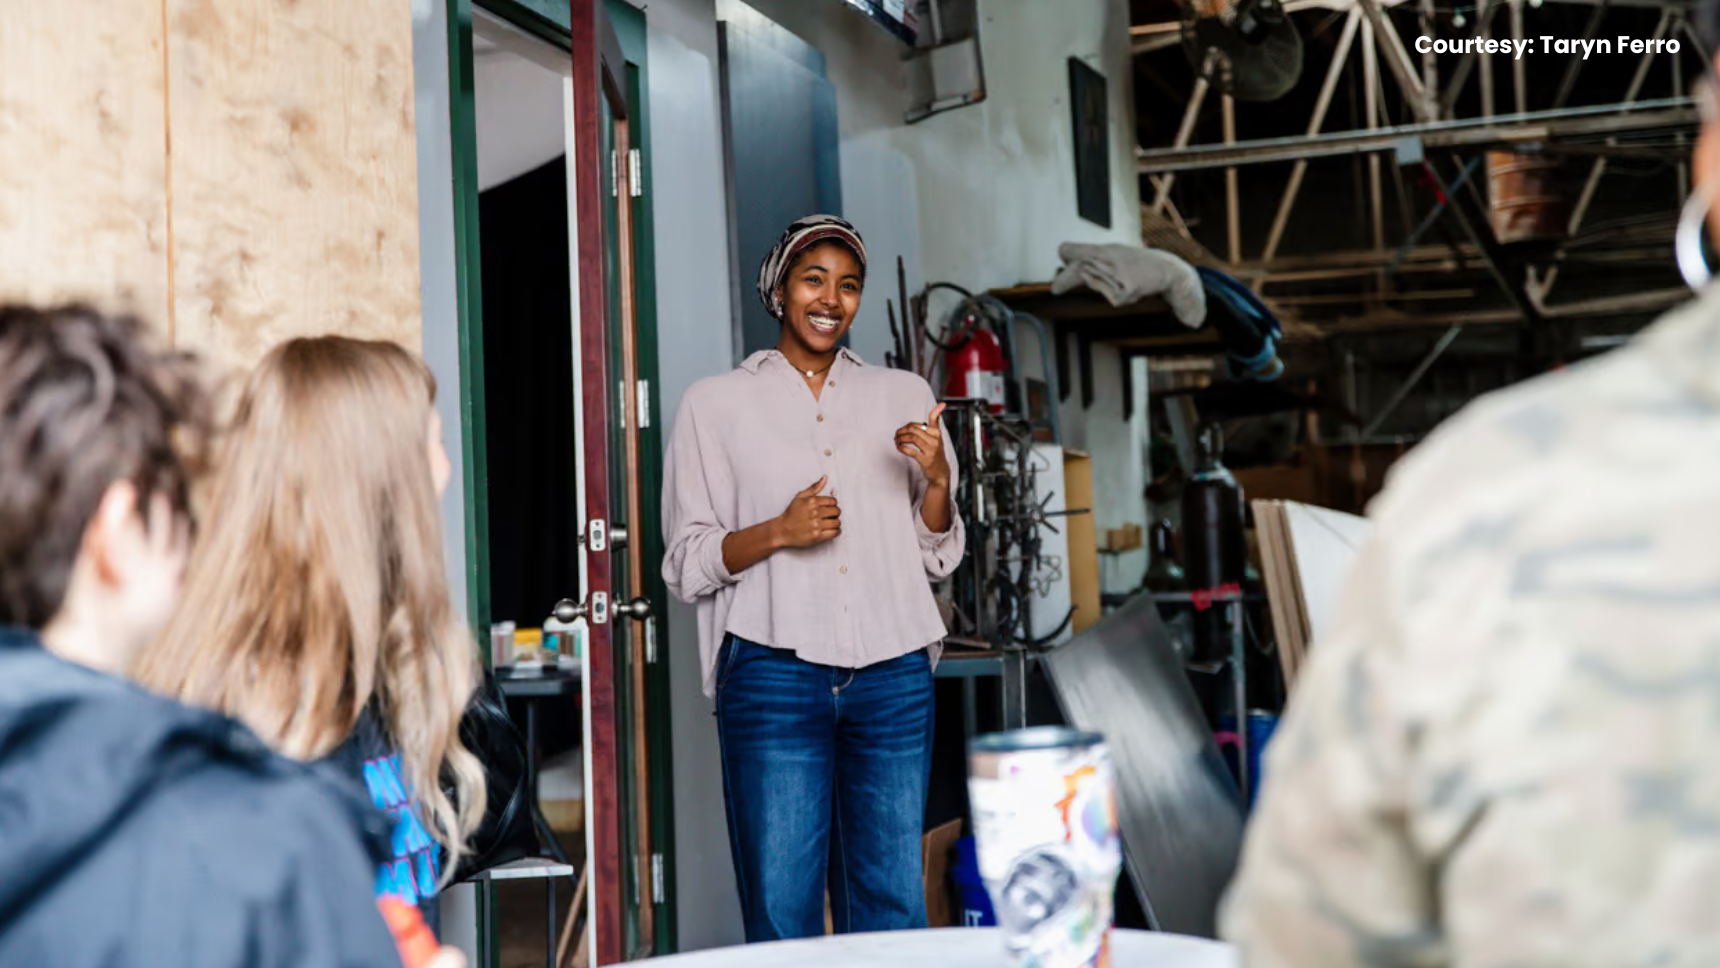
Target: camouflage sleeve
<point x="1330" y="876"/>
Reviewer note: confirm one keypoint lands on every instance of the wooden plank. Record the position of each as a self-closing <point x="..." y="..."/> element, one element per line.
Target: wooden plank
<point x="293" y="173"/>
<point x="1083" y="539"/>
<point x="83" y="144"/>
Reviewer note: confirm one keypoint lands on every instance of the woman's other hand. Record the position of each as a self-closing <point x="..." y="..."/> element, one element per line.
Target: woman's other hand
<point x="924" y="442"/>
<point x="449" y="957"/>
<point x="810" y="519"/>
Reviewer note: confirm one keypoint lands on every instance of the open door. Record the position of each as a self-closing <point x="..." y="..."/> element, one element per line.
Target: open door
<point x="625" y="869"/>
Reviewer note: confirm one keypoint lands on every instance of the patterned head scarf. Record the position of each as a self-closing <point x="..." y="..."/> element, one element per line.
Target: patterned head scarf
<point x="803" y="235"/>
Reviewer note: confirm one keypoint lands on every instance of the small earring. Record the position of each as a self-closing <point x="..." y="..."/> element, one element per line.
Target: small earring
<point x="1687" y="241"/>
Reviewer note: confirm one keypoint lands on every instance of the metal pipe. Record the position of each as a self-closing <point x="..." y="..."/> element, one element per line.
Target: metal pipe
<point x="1414" y="377"/>
<point x="1486" y="72"/>
<point x="1429" y="63"/>
<point x="1339" y="54"/>
<point x="1233" y="224"/>
<point x="1184" y="132"/>
<point x="1585" y="120"/>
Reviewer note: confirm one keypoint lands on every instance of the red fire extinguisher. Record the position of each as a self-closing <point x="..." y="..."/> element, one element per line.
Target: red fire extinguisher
<point x="974" y="370"/>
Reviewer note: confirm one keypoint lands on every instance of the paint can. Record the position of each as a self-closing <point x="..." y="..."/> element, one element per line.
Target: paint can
<point x="1045" y="823"/>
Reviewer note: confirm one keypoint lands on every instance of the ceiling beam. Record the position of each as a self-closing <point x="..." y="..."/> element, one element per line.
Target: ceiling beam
<point x="1533" y="126"/>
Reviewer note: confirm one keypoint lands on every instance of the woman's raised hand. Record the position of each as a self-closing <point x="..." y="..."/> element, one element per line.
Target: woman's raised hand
<point x="810" y="519"/>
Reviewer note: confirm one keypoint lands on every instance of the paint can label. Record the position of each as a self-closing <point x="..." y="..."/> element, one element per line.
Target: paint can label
<point x="1045" y="825"/>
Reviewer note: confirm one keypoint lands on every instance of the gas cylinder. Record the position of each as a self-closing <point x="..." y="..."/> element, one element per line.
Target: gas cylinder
<point x="974" y="370"/>
<point x="1215" y="547"/>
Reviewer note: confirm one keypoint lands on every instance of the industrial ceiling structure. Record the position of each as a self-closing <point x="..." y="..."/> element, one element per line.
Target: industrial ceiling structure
<point x="1464" y="219"/>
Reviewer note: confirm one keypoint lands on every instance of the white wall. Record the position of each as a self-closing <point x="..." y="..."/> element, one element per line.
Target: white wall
<point x="695" y="336"/>
<point x="519" y="114"/>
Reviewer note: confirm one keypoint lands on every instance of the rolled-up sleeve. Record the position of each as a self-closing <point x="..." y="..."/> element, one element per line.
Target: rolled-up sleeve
<point x="940" y="551"/>
<point x="693" y="538"/>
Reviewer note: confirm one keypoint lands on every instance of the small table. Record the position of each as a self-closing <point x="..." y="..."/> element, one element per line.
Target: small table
<point x="948" y="948"/>
<point x="532" y="688"/>
<point x="526" y="868"/>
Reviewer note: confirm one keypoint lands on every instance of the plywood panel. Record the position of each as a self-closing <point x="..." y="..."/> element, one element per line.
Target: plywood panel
<point x="294" y="172"/>
<point x="83" y="199"/>
<point x="1083" y="539"/>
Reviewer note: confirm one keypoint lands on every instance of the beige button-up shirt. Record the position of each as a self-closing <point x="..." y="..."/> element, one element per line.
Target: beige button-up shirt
<point x="744" y="443"/>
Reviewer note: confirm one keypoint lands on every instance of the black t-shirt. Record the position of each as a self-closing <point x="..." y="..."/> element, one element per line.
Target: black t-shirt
<point x="416" y="867"/>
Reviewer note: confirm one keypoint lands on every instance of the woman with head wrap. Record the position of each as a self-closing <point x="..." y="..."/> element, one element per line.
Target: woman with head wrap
<point x="807" y="508"/>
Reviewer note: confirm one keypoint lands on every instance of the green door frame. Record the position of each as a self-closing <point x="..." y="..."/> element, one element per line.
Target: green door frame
<point x="549" y="21"/>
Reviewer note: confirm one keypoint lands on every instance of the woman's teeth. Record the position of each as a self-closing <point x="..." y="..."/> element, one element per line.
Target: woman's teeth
<point x="824" y="324"/>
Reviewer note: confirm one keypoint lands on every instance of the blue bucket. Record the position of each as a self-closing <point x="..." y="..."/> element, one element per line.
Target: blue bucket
<point x="976" y="911"/>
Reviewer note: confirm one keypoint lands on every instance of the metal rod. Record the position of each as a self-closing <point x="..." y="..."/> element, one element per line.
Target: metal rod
<point x="1239" y="682"/>
<point x="1432" y="217"/>
<point x="1429" y="63"/>
<point x="1414" y="377"/>
<point x="1014" y="684"/>
<point x="1486" y="69"/>
<point x="1397" y="57"/>
<point x="1321" y="105"/>
<point x="1233" y="223"/>
<point x="1519" y="69"/>
<point x="1683" y="164"/>
<point x="1460" y="76"/>
<point x="1586" y="120"/>
<point x="1574" y="66"/>
<point x="1370" y="108"/>
<point x="1184" y="132"/>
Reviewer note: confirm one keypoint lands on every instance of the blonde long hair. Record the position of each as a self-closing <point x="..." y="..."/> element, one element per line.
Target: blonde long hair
<point x="317" y="589"/>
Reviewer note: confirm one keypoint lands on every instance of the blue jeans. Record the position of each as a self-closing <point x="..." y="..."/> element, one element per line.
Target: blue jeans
<point x="824" y="776"/>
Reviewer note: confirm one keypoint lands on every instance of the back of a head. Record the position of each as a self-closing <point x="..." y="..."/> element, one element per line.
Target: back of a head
<point x="317" y="589"/>
<point x="87" y="400"/>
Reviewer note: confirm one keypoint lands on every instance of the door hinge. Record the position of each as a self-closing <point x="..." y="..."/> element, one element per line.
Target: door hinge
<point x="621" y="407"/>
<point x="635" y="175"/>
<point x="643" y="403"/>
<point x="650" y="641"/>
<point x="657" y="879"/>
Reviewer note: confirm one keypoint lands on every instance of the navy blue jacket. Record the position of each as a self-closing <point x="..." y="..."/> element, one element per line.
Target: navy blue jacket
<point x="135" y="831"/>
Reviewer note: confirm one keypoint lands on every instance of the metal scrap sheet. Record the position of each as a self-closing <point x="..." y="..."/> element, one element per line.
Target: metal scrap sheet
<point x="1178" y="808"/>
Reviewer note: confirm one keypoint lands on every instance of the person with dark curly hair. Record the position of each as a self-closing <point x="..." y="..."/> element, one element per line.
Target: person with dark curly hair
<point x="135" y="831"/>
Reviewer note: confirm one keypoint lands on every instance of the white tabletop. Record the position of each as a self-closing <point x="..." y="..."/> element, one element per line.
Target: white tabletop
<point x="948" y="948"/>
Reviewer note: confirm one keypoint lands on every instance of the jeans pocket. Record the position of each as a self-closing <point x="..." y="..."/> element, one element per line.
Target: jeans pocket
<point x="726" y="659"/>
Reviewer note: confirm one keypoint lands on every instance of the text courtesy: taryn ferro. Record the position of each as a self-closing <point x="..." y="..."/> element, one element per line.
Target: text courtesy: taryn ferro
<point x="1530" y="46"/>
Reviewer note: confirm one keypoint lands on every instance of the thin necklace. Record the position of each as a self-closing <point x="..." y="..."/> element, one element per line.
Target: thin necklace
<point x="812" y="373"/>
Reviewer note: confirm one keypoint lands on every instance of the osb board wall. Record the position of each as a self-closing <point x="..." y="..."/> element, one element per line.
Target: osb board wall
<point x="83" y="154"/>
<point x="240" y="171"/>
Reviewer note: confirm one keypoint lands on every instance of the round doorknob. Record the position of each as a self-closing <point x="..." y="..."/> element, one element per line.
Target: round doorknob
<point x="639" y="607"/>
<point x="566" y="611"/>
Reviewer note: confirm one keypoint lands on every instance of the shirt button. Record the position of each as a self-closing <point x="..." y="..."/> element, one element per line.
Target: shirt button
<point x="821" y="418"/>
<point x="830" y="383"/>
<point x="845" y="569"/>
<point x="827" y="452"/>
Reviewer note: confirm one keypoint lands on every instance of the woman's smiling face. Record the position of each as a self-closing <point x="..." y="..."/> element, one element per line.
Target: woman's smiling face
<point x="820" y="297"/>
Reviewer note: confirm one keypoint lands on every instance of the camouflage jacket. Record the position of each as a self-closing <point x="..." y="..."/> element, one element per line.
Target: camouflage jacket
<point x="1507" y="755"/>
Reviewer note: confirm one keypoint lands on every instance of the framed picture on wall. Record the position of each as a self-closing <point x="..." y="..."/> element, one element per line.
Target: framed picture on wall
<point x="1089" y="108"/>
